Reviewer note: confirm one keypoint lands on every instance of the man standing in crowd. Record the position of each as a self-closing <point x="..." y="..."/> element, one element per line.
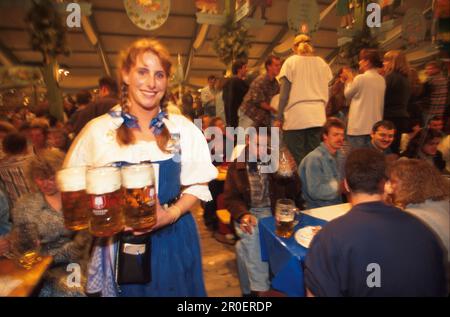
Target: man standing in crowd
<point x="373" y="249"/>
<point x="107" y="99"/>
<point x="366" y="92"/>
<point x="382" y="136"/>
<point x="234" y="91"/>
<point x="208" y="97"/>
<point x="255" y="110"/>
<point x="436" y="91"/>
<point x="320" y="170"/>
<point x="303" y="98"/>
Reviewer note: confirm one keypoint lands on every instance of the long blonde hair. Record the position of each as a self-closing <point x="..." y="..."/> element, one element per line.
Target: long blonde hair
<point x="398" y="63"/>
<point x="127" y="60"/>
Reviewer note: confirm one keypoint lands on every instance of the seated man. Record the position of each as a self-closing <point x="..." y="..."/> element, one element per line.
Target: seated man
<point x="382" y="137"/>
<point x="250" y="194"/>
<point x="373" y="249"/>
<point x="320" y="170"/>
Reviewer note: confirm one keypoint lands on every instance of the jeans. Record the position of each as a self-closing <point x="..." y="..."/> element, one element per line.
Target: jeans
<point x="358" y="141"/>
<point x="301" y="142"/>
<point x="253" y="272"/>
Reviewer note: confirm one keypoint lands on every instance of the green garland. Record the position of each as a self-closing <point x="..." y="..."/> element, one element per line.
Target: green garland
<point x="46" y="29"/>
<point x="362" y="39"/>
<point x="232" y="42"/>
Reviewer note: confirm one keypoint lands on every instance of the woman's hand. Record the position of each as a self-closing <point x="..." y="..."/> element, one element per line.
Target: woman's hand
<point x="163" y="218"/>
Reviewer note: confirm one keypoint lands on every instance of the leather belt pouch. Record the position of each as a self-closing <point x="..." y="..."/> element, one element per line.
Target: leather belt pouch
<point x="134" y="259"/>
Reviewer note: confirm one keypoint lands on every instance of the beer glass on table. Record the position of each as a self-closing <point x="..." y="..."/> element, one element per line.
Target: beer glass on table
<point x="75" y="201"/>
<point x="284" y="217"/>
<point x="103" y="186"/>
<point x="138" y="182"/>
<point x="25" y="244"/>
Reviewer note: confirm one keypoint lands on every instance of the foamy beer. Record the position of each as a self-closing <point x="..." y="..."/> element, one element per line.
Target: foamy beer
<point x="138" y="182"/>
<point x="75" y="204"/>
<point x="105" y="199"/>
<point x="284" y="217"/>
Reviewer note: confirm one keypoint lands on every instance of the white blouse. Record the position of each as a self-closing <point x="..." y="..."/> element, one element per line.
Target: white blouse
<point x="96" y="146"/>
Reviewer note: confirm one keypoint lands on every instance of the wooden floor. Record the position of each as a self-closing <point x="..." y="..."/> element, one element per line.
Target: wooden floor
<point x="219" y="262"/>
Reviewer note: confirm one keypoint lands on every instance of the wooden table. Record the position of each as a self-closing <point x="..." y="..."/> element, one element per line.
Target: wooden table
<point x="28" y="279"/>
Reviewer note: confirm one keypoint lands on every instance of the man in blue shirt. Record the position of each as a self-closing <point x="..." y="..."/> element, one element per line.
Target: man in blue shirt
<point x="375" y="249"/>
<point x="320" y="170"/>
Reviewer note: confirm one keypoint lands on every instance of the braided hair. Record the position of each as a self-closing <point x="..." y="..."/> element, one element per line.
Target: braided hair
<point x="127" y="61"/>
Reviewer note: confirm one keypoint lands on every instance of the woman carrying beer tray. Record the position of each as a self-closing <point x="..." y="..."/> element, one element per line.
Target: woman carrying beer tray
<point x="139" y="130"/>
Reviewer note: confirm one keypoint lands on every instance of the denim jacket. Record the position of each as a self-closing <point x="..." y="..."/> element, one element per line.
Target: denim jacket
<point x="5" y="224"/>
<point x="320" y="173"/>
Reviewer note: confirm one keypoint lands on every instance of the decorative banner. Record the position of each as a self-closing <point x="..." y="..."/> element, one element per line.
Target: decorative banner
<point x="147" y="14"/>
<point x="208" y="13"/>
<point x="19" y="76"/>
<point x="303" y="16"/>
<point x="207" y="6"/>
<point x="414" y="27"/>
<point x="242" y="10"/>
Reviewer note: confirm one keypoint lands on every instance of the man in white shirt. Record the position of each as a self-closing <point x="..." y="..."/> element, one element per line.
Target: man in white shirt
<point x="366" y="92"/>
<point x="208" y="97"/>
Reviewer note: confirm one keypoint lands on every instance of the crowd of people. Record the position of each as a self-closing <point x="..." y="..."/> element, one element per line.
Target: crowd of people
<point x="375" y="137"/>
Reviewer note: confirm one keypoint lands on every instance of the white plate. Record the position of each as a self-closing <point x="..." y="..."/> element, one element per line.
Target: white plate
<point x="305" y="235"/>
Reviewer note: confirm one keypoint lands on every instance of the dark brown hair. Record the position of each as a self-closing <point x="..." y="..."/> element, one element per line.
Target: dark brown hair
<point x="128" y="59"/>
<point x="331" y="122"/>
<point x="371" y="55"/>
<point x="365" y="171"/>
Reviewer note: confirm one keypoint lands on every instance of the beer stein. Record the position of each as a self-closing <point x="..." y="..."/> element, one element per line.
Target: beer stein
<point x="75" y="203"/>
<point x="25" y="244"/>
<point x="284" y="217"/>
<point x="138" y="183"/>
<point x="105" y="199"/>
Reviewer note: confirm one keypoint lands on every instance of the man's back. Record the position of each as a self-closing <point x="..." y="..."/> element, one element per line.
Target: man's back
<point x="234" y="91"/>
<point x="101" y="106"/>
<point x="375" y="250"/>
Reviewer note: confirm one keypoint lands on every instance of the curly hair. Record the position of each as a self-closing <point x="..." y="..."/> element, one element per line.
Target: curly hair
<point x="417" y="181"/>
<point x="128" y="59"/>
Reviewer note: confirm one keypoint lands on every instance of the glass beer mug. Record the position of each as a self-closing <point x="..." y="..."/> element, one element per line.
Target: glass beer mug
<point x="138" y="182"/>
<point x="284" y="217"/>
<point x="75" y="203"/>
<point x="105" y="199"/>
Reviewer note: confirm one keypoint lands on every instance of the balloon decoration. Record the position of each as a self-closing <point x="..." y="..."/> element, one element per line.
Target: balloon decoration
<point x="147" y="14"/>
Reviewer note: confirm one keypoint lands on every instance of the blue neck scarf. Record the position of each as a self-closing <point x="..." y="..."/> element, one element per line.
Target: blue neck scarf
<point x="131" y="121"/>
<point x="128" y="119"/>
<point x="157" y="123"/>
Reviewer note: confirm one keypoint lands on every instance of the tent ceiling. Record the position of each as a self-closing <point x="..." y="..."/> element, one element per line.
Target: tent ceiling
<point x="115" y="31"/>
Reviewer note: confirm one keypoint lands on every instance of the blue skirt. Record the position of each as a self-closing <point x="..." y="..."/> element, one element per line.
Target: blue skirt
<point x="176" y="263"/>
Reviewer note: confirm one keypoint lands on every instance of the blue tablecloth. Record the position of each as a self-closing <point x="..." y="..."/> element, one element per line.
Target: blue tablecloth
<point x="285" y="256"/>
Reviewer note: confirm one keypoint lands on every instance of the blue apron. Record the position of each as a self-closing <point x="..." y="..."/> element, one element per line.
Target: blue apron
<point x="176" y="262"/>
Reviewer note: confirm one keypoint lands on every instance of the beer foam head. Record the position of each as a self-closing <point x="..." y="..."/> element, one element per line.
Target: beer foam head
<point x="102" y="180"/>
<point x="71" y="179"/>
<point x="137" y="176"/>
